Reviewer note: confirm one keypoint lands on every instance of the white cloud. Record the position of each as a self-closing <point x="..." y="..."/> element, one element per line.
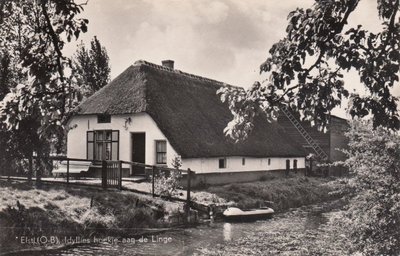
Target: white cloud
<point x="211" y="11"/>
<point x="225" y="40"/>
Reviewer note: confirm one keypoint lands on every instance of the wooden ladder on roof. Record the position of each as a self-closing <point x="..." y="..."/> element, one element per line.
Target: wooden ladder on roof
<point x="314" y="145"/>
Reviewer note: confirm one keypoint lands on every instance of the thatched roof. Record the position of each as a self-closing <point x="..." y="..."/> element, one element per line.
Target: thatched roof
<point x="188" y="112"/>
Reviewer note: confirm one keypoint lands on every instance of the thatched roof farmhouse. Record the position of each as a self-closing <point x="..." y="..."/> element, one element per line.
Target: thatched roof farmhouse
<point x="187" y="113"/>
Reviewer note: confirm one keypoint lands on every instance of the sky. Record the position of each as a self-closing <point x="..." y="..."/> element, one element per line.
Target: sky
<point x="225" y="40"/>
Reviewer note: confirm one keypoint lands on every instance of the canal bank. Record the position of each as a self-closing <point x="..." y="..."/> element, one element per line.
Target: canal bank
<point x="53" y="216"/>
<point x="281" y="193"/>
<point x="310" y="230"/>
<point x="89" y="214"/>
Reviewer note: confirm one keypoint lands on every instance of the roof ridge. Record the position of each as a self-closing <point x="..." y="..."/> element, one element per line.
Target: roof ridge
<point x="176" y="71"/>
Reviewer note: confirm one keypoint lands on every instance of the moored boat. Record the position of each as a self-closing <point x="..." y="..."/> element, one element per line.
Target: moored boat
<point x="236" y="214"/>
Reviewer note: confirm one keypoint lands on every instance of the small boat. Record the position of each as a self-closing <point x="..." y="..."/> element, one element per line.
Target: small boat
<point x="236" y="214"/>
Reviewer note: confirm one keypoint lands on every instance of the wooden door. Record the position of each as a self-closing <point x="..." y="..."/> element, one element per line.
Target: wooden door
<point x="138" y="152"/>
<point x="287" y="166"/>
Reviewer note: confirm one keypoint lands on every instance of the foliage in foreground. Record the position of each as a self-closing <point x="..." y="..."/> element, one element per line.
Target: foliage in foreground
<point x="305" y="70"/>
<point x="37" y="97"/>
<point x="374" y="210"/>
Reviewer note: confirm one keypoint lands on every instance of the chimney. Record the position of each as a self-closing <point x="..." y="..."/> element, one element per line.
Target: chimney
<point x="168" y="64"/>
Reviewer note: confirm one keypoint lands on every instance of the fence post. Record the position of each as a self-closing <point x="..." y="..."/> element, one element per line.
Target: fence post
<point x="104" y="174"/>
<point x="152" y="181"/>
<point x="120" y="175"/>
<point x="67" y="171"/>
<point x="188" y="193"/>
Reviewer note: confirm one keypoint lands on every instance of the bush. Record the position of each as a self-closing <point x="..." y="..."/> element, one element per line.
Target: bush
<point x="167" y="184"/>
<point x="373" y="215"/>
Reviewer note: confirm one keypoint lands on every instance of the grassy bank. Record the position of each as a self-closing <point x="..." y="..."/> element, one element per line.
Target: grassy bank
<point x="84" y="212"/>
<point x="284" y="192"/>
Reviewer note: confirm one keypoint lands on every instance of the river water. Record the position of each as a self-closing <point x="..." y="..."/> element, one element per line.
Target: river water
<point x="295" y="232"/>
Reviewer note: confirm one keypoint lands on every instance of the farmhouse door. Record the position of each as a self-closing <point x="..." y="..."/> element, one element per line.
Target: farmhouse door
<point x="138" y="152"/>
<point x="287" y="166"/>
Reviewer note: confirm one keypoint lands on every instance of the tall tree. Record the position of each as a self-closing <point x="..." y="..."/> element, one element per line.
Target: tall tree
<point x="305" y="68"/>
<point x="305" y="71"/>
<point x="92" y="67"/>
<point x="4" y="78"/>
<point x="5" y="74"/>
<point x="36" y="110"/>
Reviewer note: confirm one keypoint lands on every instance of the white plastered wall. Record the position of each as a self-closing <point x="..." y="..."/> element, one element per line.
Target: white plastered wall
<point x="235" y="164"/>
<point x="142" y="122"/>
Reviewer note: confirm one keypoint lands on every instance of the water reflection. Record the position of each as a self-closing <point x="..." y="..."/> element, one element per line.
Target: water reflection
<point x="227" y="232"/>
<point x="193" y="241"/>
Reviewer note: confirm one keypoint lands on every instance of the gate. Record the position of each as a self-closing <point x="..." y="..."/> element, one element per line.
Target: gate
<point x="111" y="173"/>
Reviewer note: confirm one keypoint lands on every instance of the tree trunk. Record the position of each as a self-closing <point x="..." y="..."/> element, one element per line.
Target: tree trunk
<point x="30" y="171"/>
<point x="38" y="168"/>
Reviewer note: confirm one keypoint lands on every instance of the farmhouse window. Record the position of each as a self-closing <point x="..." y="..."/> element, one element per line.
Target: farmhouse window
<point x="222" y="163"/>
<point x="103" y="119"/>
<point x="269" y="161"/>
<point x="243" y="161"/>
<point x="161" y="152"/>
<point x="295" y="164"/>
<point x="103" y="145"/>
